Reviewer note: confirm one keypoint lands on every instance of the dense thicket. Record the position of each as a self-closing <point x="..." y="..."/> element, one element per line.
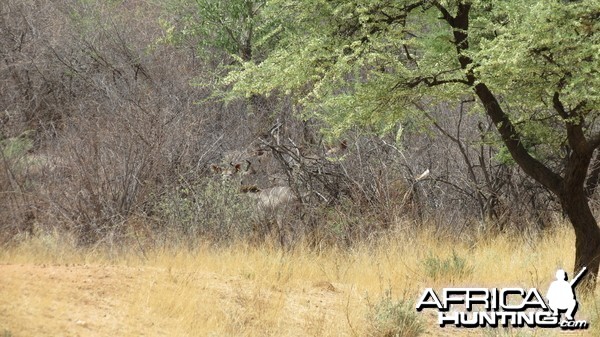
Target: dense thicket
<point x="111" y="118"/>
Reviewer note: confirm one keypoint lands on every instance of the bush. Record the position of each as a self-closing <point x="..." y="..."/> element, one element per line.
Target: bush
<point x="452" y="268"/>
<point x="394" y="318"/>
<point x="208" y="209"/>
<point x="16" y="212"/>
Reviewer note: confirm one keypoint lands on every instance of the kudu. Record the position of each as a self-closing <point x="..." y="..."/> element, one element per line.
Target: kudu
<point x="274" y="205"/>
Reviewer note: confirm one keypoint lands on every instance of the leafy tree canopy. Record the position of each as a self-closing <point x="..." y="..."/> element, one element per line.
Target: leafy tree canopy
<point x="234" y="27"/>
<point x="379" y="62"/>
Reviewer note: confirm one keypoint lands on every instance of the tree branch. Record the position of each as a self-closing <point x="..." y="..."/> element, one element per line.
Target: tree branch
<point x="460" y="27"/>
<point x="574" y="126"/>
<point x="432" y="81"/>
<point x="445" y="14"/>
<point x="512" y="139"/>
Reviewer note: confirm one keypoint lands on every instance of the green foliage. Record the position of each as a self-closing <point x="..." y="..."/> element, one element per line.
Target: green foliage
<point x="394" y="318"/>
<point x="14" y="148"/>
<point x="449" y="269"/>
<point x="377" y="63"/>
<point x="528" y="52"/>
<point x="209" y="209"/>
<point x="539" y="48"/>
<point x="14" y="157"/>
<point x="236" y="28"/>
<point x="340" y="71"/>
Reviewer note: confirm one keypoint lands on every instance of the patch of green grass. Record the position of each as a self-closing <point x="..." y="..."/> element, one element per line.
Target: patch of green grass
<point x="452" y="268"/>
<point x="394" y="318"/>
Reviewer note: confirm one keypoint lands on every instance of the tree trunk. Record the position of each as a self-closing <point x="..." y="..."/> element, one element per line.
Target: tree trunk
<point x="587" y="237"/>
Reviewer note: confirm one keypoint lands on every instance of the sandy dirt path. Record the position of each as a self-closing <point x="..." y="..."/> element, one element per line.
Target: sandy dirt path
<point x="68" y="301"/>
<point x="76" y="300"/>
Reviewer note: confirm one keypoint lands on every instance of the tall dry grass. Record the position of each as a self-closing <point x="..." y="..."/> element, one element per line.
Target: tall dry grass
<point x="243" y="290"/>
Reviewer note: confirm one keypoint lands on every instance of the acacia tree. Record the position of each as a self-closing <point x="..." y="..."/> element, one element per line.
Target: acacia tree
<point x="225" y="34"/>
<point x="531" y="66"/>
<point x="234" y="28"/>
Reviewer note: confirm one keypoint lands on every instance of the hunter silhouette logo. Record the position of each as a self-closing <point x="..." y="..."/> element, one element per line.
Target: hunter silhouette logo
<point x="507" y="307"/>
<point x="561" y="294"/>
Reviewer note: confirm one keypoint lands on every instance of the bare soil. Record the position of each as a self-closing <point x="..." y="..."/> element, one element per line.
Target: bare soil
<point x="81" y="300"/>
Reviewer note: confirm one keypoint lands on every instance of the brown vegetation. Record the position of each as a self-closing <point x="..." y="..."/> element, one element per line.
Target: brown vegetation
<point x="133" y="201"/>
<point x="101" y="128"/>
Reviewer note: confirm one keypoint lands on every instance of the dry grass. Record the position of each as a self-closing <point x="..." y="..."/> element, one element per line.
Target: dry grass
<point x="47" y="287"/>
